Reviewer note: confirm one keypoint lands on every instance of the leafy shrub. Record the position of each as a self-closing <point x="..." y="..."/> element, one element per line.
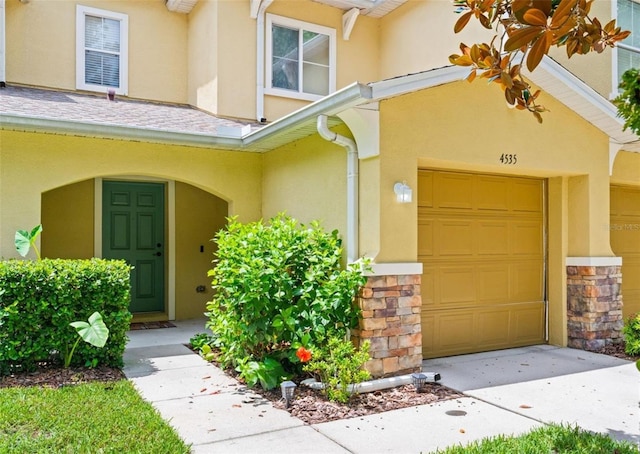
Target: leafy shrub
<point x="279" y="286"/>
<point x="41" y="298"/>
<point x="631" y="331"/>
<point x="628" y="101"/>
<point x="339" y="366"/>
<point x="203" y="343"/>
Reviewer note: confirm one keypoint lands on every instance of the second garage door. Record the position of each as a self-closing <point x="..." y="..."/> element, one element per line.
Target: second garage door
<point x="625" y="242"/>
<point x="481" y="243"/>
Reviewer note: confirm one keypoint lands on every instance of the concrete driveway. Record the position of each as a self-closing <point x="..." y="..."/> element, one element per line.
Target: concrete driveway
<point x="551" y="384"/>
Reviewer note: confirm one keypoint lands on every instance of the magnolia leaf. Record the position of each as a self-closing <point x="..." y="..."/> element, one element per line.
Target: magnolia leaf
<point x="534" y="16"/>
<point x="521" y="38"/>
<point x="562" y="12"/>
<point x="472" y="76"/>
<point x="506" y="79"/>
<point x="95" y="332"/>
<point x="537" y="51"/>
<point x="484" y="20"/>
<point x="463" y="21"/>
<point x="538" y="117"/>
<point x="611" y="25"/>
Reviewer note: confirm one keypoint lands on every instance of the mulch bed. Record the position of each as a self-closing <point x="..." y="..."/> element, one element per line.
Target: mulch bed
<point x="309" y="405"/>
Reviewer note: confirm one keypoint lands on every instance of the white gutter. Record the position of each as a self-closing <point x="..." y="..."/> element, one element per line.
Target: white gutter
<point x="264" y="4"/>
<point x="352" y="184"/>
<point x="3" y="47"/>
<point x="84" y="128"/>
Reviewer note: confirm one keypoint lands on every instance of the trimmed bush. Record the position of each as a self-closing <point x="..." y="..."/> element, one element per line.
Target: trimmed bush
<point x="631" y="331"/>
<point x="39" y="299"/>
<point x="279" y="286"/>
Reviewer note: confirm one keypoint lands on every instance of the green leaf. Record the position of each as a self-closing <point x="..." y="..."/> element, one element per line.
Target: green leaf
<point x="95" y="332"/>
<point x="23" y="243"/>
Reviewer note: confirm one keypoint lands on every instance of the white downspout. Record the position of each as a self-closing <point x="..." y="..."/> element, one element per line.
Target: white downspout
<point x="264" y="4"/>
<point x="352" y="184"/>
<point x="3" y="47"/>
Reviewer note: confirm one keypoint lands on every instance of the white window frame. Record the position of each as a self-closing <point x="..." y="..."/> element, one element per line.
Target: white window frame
<point x="81" y="13"/>
<point x="273" y="19"/>
<point x="615" y="75"/>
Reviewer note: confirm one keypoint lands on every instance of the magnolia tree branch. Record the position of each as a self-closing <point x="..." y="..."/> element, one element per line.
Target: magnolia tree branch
<point x="530" y="27"/>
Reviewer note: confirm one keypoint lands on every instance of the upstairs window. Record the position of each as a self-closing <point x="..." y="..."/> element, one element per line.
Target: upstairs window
<point x="101" y="46"/>
<point x="628" y="51"/>
<point x="300" y="59"/>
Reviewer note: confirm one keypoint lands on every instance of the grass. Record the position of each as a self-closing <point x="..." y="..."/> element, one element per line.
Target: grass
<point x="86" y="418"/>
<point x="549" y="439"/>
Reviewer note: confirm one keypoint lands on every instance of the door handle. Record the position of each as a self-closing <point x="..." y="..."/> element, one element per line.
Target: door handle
<point x="158" y="254"/>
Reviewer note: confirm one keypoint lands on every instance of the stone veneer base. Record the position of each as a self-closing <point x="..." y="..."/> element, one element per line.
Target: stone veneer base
<point x="391" y="306"/>
<point x="594" y="306"/>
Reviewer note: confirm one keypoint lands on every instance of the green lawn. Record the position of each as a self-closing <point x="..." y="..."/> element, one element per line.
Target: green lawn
<point x="86" y="418"/>
<point x="552" y="439"/>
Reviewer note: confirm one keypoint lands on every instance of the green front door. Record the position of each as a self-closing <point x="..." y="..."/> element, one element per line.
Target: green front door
<point x="133" y="230"/>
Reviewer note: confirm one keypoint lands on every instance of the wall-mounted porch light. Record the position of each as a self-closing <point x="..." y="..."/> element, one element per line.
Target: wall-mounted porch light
<point x="403" y="192"/>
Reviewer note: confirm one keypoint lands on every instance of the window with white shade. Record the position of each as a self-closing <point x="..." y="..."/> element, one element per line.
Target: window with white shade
<point x="101" y="46"/>
<point x="627" y="51"/>
<point x="300" y="58"/>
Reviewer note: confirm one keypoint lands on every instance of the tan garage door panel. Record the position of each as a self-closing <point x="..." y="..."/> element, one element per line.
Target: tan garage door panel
<point x="625" y="242"/>
<point x="480" y="240"/>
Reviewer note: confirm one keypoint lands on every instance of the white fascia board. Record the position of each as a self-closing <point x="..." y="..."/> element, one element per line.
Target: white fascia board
<point x="350" y="96"/>
<point x="419" y="81"/>
<point x="98" y="130"/>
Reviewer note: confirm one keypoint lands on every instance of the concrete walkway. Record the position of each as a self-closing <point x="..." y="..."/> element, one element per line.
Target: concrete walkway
<point x="509" y="392"/>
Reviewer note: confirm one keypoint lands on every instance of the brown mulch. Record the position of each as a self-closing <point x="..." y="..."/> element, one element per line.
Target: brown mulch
<point x="309" y="405"/>
<point x="312" y="408"/>
<point x="57" y="377"/>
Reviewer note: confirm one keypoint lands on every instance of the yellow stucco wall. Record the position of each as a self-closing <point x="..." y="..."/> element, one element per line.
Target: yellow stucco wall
<point x="68" y="221"/>
<point x="467" y="127"/>
<point x="54" y="161"/>
<point x="461" y="126"/>
<point x="41" y="36"/>
<point x="199" y="216"/>
<point x="593" y="68"/>
<point x="419" y="36"/>
<point x="202" y="56"/>
<point x="626" y="168"/>
<point x="307" y="178"/>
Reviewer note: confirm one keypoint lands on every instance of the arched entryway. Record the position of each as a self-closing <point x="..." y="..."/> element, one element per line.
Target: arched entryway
<point x="78" y="224"/>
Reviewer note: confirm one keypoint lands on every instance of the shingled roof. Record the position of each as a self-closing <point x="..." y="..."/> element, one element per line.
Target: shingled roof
<point x="98" y="109"/>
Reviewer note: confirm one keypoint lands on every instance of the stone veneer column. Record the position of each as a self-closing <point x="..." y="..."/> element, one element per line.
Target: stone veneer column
<point x="391" y="306"/>
<point x="594" y="302"/>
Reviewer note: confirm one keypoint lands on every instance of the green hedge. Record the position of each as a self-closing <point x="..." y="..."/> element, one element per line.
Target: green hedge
<point x="38" y="300"/>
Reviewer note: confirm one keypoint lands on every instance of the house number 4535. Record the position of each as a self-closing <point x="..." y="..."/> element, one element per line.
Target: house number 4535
<point x="508" y="159"/>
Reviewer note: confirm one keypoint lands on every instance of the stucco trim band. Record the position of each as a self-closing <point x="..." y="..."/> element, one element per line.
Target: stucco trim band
<point x="395" y="269"/>
<point x="594" y="261"/>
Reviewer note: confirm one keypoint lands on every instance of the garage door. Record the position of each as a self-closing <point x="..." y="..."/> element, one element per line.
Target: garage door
<point x="625" y="242"/>
<point x="481" y="243"/>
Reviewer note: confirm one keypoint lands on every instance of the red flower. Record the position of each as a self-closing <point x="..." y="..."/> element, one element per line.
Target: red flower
<point x="303" y="354"/>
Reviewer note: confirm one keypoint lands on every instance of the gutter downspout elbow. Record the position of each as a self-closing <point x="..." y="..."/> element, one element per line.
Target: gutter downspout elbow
<point x="352" y="184"/>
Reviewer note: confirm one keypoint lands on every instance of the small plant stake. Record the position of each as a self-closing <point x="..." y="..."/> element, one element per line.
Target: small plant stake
<point x="95" y="333"/>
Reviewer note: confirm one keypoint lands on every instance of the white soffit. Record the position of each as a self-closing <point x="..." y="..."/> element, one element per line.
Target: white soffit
<point x="557" y="81"/>
<point x="181" y="6"/>
<point x="371" y="8"/>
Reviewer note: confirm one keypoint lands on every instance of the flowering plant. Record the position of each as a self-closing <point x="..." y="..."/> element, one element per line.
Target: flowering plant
<point x="303" y="354"/>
